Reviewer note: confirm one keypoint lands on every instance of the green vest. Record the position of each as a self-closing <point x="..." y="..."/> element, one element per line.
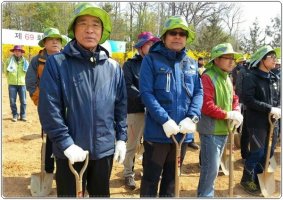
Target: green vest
<point x="223" y="96"/>
<point x="17" y="77"/>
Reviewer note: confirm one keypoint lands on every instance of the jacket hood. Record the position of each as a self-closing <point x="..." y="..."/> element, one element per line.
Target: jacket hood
<point x="168" y="53"/>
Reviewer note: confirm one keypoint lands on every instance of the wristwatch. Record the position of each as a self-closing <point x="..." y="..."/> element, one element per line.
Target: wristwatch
<point x="195" y="119"/>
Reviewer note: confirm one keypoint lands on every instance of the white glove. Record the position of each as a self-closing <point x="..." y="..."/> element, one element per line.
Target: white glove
<point x="276" y="113"/>
<point x="237" y="118"/>
<point x="170" y="128"/>
<point x="120" y="151"/>
<point x="187" y="126"/>
<point x="75" y="153"/>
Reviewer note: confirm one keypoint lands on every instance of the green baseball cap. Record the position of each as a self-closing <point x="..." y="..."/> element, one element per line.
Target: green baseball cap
<point x="52" y="33"/>
<point x="219" y="50"/>
<point x="179" y="22"/>
<point x="90" y="9"/>
<point x="261" y="52"/>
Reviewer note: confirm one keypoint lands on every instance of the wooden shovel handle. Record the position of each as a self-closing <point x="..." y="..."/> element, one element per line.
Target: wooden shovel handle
<point x="272" y="122"/>
<point x="178" y="162"/>
<point x="79" y="177"/>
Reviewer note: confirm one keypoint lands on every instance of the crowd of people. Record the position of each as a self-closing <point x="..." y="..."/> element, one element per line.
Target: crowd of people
<point x="89" y="104"/>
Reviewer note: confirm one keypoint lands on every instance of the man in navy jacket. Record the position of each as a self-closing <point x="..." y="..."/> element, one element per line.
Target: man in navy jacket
<point x="83" y="104"/>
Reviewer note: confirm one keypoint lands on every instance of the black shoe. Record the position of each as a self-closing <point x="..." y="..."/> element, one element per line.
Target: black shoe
<point x="130" y="182"/>
<point x="251" y="187"/>
<point x="193" y="145"/>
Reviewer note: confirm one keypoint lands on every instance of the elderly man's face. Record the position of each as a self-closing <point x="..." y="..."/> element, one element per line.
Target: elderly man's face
<point x="88" y="31"/>
<point x="52" y="45"/>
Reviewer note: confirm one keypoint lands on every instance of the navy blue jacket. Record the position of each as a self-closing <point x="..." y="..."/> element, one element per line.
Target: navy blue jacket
<point x="261" y="92"/>
<point x="83" y="101"/>
<point x="170" y="88"/>
<point x="131" y="70"/>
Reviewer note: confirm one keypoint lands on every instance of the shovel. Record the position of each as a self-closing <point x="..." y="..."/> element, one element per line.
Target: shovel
<point x="232" y="131"/>
<point x="225" y="159"/>
<point x="272" y="164"/>
<point x="237" y="137"/>
<point x="79" y="177"/>
<point x="266" y="179"/>
<point x="41" y="183"/>
<point x="178" y="163"/>
<point x="224" y="162"/>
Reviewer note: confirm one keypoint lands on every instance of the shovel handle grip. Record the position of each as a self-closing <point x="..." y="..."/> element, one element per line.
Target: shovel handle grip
<point x="79" y="176"/>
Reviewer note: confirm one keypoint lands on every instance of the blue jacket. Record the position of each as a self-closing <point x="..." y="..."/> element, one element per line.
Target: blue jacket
<point x="83" y="101"/>
<point x="170" y="87"/>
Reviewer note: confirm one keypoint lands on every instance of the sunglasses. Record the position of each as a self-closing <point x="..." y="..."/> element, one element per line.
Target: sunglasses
<point x="181" y="33"/>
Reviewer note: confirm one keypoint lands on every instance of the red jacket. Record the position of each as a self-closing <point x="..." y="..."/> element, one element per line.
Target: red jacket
<point x="209" y="108"/>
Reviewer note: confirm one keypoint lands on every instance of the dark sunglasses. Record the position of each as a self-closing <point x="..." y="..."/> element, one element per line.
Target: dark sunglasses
<point x="180" y="33"/>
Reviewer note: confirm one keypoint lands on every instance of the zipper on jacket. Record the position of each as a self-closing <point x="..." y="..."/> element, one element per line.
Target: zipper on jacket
<point x="168" y="82"/>
<point x="184" y="85"/>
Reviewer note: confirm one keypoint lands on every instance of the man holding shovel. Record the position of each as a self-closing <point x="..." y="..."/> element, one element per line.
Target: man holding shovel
<point x="219" y="105"/>
<point x="261" y="95"/>
<point x="171" y="90"/>
<point x="83" y="105"/>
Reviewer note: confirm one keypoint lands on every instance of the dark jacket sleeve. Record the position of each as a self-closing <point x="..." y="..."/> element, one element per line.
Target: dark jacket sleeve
<point x="51" y="108"/>
<point x="249" y="93"/>
<point x="121" y="108"/>
<point x="132" y="90"/>
<point x="147" y="92"/>
<point x="197" y="99"/>
<point x="31" y="76"/>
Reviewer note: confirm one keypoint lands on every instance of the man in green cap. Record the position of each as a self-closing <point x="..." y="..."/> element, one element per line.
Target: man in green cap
<point x="219" y="105"/>
<point x="171" y="90"/>
<point x="83" y="105"/>
<point x="261" y="95"/>
<point x="52" y="42"/>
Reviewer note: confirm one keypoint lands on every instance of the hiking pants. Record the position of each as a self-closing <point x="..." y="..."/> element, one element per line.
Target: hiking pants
<point x="135" y="122"/>
<point x="159" y="160"/>
<point x="96" y="178"/>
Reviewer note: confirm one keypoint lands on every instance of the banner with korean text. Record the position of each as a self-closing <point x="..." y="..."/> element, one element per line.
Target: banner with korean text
<point x="17" y="37"/>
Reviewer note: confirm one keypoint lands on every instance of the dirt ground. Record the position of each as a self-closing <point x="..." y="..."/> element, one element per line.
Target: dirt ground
<point x="21" y="143"/>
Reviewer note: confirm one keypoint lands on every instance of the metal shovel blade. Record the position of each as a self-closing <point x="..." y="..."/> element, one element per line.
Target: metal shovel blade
<point x="267" y="183"/>
<point x="272" y="164"/>
<point x="41" y="184"/>
<point x="237" y="140"/>
<point x="224" y="163"/>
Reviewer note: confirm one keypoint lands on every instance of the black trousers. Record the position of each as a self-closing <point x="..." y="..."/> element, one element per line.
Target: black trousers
<point x="159" y="160"/>
<point x="96" y="178"/>
<point x="245" y="141"/>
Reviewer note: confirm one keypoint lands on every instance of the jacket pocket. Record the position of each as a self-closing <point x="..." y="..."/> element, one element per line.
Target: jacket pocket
<point x="162" y="88"/>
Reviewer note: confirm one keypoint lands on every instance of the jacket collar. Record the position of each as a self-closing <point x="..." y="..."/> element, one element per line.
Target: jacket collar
<point x="74" y="50"/>
<point x="168" y="53"/>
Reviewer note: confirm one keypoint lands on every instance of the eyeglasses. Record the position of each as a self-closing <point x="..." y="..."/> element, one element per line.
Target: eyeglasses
<point x="231" y="59"/>
<point x="181" y="33"/>
<point x="272" y="56"/>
